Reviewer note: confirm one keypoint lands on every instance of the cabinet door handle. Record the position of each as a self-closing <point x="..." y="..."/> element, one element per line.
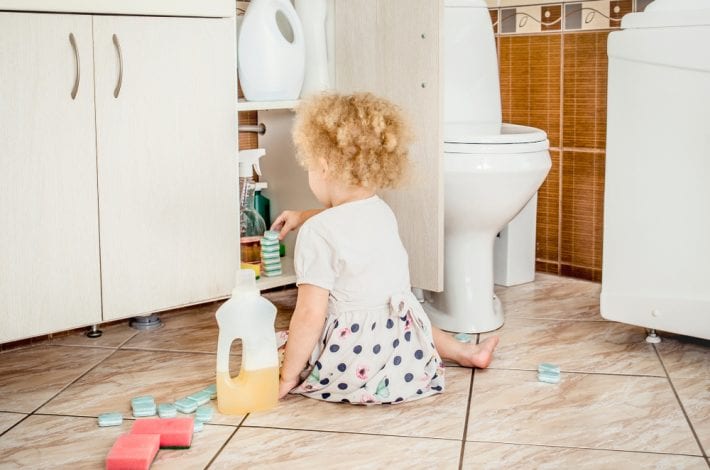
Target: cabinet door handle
<point x="77" y="74"/>
<point x="117" y="90"/>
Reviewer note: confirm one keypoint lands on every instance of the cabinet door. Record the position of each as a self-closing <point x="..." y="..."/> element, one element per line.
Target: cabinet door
<point x="49" y="249"/>
<point x="391" y="48"/>
<point x="167" y="143"/>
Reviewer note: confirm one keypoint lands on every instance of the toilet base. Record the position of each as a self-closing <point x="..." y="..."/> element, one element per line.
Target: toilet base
<point x="468" y="303"/>
<point x="486" y="319"/>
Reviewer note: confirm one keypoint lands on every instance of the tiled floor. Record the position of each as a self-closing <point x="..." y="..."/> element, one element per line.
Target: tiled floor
<point x="622" y="403"/>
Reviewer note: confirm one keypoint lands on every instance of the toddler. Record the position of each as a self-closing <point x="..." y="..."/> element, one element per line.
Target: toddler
<point x="358" y="334"/>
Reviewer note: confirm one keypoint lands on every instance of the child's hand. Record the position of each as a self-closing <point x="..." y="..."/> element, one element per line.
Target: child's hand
<point x="286" y="386"/>
<point x="291" y="220"/>
<point x="287" y="221"/>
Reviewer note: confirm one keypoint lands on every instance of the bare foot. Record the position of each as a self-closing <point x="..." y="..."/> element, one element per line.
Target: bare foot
<point x="478" y="355"/>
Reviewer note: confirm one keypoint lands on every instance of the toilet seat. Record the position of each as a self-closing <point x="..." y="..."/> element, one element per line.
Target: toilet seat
<point x="493" y="138"/>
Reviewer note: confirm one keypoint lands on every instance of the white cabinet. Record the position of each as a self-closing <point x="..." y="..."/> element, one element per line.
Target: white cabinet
<point x="122" y="206"/>
<point x="167" y="153"/>
<point x="390" y="48"/>
<point x="49" y="237"/>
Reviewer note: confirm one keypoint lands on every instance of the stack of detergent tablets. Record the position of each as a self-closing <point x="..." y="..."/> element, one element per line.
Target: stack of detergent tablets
<point x="270" y="254"/>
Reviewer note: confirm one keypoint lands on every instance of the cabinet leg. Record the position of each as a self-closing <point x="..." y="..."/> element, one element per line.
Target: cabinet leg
<point x="146" y="323"/>
<point x="94" y="332"/>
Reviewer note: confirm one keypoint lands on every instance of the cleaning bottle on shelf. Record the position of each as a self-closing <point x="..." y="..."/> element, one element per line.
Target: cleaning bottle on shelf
<point x="251" y="224"/>
<point x="262" y="203"/>
<point x="249" y="316"/>
<point x="271" y="51"/>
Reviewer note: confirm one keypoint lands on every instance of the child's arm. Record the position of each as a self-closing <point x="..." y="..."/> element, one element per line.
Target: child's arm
<point x="304" y="332"/>
<point x="291" y="220"/>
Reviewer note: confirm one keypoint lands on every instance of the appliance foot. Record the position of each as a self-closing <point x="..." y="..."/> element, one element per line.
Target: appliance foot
<point x="653" y="337"/>
<point x="149" y="322"/>
<point x="94" y="332"/>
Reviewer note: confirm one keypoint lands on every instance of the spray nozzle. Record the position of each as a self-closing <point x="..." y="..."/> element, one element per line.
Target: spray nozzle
<point x="249" y="159"/>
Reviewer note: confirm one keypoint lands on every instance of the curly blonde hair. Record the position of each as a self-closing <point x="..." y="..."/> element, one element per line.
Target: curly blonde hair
<point x="363" y="138"/>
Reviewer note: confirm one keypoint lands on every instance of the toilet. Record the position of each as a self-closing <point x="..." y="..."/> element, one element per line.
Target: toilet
<point x="491" y="171"/>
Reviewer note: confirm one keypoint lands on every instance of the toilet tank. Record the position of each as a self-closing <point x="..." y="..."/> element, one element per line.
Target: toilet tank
<point x="471" y="88"/>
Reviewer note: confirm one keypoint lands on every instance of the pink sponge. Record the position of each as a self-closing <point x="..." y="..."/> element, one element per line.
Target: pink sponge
<point x="133" y="452"/>
<point x="175" y="433"/>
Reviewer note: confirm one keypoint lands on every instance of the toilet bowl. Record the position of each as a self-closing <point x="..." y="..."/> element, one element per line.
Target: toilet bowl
<point x="491" y="170"/>
<point x="490" y="173"/>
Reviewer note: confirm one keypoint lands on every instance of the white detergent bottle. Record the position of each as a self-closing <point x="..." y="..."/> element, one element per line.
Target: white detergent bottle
<point x="250" y="317"/>
<point x="313" y="14"/>
<point x="271" y="52"/>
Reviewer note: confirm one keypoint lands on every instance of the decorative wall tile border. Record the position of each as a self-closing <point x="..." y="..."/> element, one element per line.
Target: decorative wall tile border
<point x="524" y="17"/>
<point x="641" y="4"/>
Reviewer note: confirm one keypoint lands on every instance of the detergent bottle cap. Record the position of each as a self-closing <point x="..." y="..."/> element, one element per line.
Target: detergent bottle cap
<point x="249" y="159"/>
<point x="246" y="283"/>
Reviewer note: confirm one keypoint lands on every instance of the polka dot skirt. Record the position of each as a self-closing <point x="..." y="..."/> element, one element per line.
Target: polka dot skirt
<point x="375" y="356"/>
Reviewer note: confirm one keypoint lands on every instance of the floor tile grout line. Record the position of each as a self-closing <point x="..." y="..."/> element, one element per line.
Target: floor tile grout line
<point x="172" y="351"/>
<point x="64" y="415"/>
<point x="680" y="403"/>
<point x="219" y="451"/>
<point x="81" y="346"/>
<point x="468" y="410"/>
<point x="58" y="393"/>
<point x="14" y="425"/>
<point x="130" y="417"/>
<point x="74" y="381"/>
<point x="614" y="374"/>
<point x="135" y="333"/>
<point x="601" y="449"/>
<point x="357" y="433"/>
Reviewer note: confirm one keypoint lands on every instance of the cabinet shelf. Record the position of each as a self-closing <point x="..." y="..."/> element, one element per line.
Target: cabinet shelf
<point x="288" y="276"/>
<point x="244" y="105"/>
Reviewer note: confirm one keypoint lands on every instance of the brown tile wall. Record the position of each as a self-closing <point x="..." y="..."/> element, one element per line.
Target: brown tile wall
<point x="556" y="81"/>
<point x="247" y="140"/>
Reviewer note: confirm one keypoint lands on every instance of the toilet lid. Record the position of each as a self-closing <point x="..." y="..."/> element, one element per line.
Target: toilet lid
<point x="491" y="133"/>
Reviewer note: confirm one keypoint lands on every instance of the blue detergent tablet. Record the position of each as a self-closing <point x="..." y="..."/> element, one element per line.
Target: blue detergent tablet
<point x="546" y="367"/>
<point x="186" y="405"/>
<point x="143" y="400"/>
<point x="110" y="419"/>
<point x="462" y="338"/>
<point x="167" y="410"/>
<point x="550" y="378"/>
<point x="204" y="413"/>
<point x="271" y="234"/>
<point x="201" y="397"/>
<point x="213" y="391"/>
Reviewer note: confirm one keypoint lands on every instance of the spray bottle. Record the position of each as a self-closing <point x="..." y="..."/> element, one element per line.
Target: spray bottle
<point x="249" y="316"/>
<point x="251" y="224"/>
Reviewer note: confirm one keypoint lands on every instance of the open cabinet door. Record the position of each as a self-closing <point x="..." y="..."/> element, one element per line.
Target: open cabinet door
<point x="392" y="48"/>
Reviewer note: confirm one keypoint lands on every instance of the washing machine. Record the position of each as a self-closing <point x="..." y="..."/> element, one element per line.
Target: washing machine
<point x="656" y="260"/>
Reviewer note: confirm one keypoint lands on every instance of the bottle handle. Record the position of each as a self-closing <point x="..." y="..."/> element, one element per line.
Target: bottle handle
<point x="224" y="346"/>
<point x="285" y="7"/>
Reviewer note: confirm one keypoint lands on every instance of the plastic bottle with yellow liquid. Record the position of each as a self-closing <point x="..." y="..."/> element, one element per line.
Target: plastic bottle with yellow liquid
<point x="250" y="317"/>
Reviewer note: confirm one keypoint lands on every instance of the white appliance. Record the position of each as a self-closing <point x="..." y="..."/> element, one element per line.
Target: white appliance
<point x="656" y="266"/>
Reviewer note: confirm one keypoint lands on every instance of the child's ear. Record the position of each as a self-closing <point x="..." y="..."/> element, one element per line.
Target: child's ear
<point x="323" y="165"/>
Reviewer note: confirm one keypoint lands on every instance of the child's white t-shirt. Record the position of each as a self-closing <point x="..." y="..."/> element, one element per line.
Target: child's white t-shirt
<point x="354" y="251"/>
